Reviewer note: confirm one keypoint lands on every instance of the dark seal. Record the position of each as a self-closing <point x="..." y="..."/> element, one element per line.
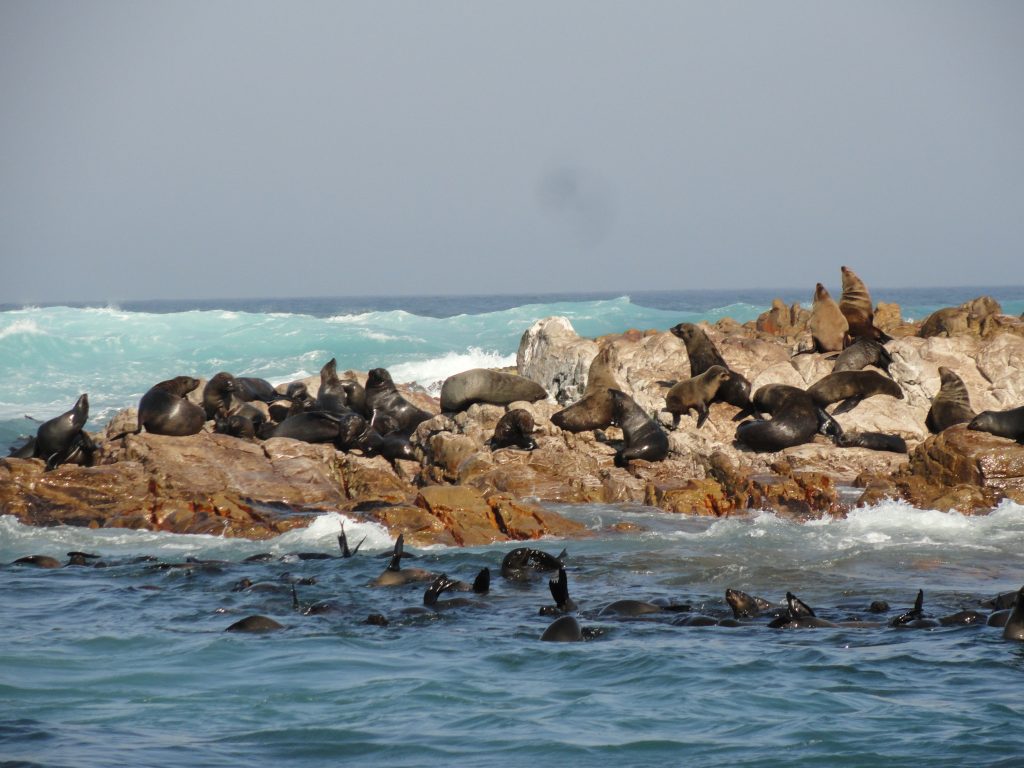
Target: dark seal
<point x="514" y="430"/>
<point x="703" y="355"/>
<point x="383" y="397"/>
<point x="951" y="404"/>
<point x="851" y="387"/>
<point x="1001" y="423"/>
<point x="165" y="409"/>
<point x="62" y="440"/>
<point x="644" y="438"/>
<point x="795" y="419"/>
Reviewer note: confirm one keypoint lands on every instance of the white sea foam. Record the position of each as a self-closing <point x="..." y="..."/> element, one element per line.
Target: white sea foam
<point x="431" y="373"/>
<point x="22" y="328"/>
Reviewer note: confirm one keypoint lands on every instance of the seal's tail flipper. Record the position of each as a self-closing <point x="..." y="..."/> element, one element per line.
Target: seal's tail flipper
<point x="847" y="405"/>
<point x="396" y="557"/>
<point x="482" y="582"/>
<point x="560" y="588"/>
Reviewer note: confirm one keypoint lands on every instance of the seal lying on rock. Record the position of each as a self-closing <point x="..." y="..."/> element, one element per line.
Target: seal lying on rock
<point x="1001" y="423"/>
<point x="695" y="393"/>
<point x="862" y="353"/>
<point x="481" y="385"/>
<point x="703" y="355"/>
<point x="644" y="437"/>
<point x="951" y="404"/>
<point x="795" y="419"/>
<point x="851" y="387"/>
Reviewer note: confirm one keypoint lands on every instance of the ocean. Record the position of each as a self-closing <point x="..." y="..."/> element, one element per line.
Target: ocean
<point x="130" y="664"/>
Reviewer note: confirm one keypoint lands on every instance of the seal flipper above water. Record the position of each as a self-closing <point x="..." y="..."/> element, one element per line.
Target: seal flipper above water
<point x="343" y="543"/>
<point x="1014" y="627"/>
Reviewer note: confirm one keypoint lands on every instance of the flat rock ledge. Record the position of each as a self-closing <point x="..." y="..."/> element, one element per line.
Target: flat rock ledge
<point x="460" y="493"/>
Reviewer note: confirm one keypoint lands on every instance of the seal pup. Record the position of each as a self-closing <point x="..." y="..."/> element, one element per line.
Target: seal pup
<point x="951" y="404"/>
<point x="1014" y="627"/>
<point x="874" y="441"/>
<point x="383" y="396"/>
<point x="594" y="409"/>
<point x="862" y="353"/>
<point x="851" y="387"/>
<point x="695" y="393"/>
<point x="298" y="399"/>
<point x="703" y="354"/>
<point x="236" y="426"/>
<point x="855" y="304"/>
<point x="1009" y="424"/>
<point x="795" y="419"/>
<point x="62" y="440"/>
<point x="644" y="437"/>
<point x="827" y="324"/>
<point x="514" y="430"/>
<point x="482" y="385"/>
<point x="395" y="574"/>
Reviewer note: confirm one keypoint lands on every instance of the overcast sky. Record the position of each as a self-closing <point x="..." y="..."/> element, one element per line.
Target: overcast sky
<point x="230" y="149"/>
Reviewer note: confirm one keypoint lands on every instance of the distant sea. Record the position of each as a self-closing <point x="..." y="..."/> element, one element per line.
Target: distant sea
<point x="129" y="664"/>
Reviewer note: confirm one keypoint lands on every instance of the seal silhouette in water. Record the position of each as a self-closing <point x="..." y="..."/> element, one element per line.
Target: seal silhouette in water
<point x="523" y="563"/>
<point x="255" y="624"/>
<point x="395" y="574"/>
<point x="914" y="618"/>
<point x="1014" y="627"/>
<point x="798" y="615"/>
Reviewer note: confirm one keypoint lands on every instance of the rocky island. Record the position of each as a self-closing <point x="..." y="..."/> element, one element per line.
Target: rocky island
<point x="456" y="490"/>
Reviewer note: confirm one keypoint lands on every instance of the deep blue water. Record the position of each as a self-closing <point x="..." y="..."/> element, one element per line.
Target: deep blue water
<point x="130" y="665"/>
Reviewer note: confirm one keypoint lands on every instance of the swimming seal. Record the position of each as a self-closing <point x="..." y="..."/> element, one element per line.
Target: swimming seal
<point x="395" y="575"/>
<point x="514" y="430"/>
<point x="851" y="387"/>
<point x="559" y="588"/>
<point x="855" y="304"/>
<point x="827" y="324"/>
<point x="481" y="385"/>
<point x="523" y="563"/>
<point x="62" y="440"/>
<point x="383" y="396"/>
<point x="915" y="617"/>
<point x="565" y="629"/>
<point x="1008" y="424"/>
<point x="165" y="410"/>
<point x="746" y="606"/>
<point x="703" y="354"/>
<point x="695" y="393"/>
<point x="594" y="409"/>
<point x="862" y="353"/>
<point x="441" y="584"/>
<point x="255" y="624"/>
<point x="951" y="404"/>
<point x="644" y="437"/>
<point x="1014" y="627"/>
<point x="795" y="419"/>
<point x="799" y="615"/>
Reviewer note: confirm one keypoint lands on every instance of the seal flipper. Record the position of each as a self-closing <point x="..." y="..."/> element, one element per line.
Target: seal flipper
<point x="847" y="405"/>
<point x="396" y="557"/>
<point x="560" y="592"/>
<point x="798" y="607"/>
<point x="482" y="582"/>
<point x="438" y="586"/>
<point x="343" y="543"/>
<point x="914" y="614"/>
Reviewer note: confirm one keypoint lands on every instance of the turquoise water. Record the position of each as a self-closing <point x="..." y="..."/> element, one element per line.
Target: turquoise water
<point x="129" y="664"/>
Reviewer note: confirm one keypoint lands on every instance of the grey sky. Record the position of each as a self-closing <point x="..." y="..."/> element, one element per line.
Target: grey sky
<point x="230" y="149"/>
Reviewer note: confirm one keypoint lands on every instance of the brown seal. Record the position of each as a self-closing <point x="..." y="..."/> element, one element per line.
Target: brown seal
<point x="695" y="393"/>
<point x="851" y="387"/>
<point x="514" y="429"/>
<point x="703" y="354"/>
<point x="855" y="304"/>
<point x="594" y="409"/>
<point x="951" y="404"/>
<point x="828" y="324"/>
<point x="482" y="385"/>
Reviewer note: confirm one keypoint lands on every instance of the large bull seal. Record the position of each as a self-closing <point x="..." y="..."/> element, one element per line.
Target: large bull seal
<point x="855" y="304"/>
<point x="481" y="385"/>
<point x="165" y="410"/>
<point x="594" y="409"/>
<point x="828" y="325"/>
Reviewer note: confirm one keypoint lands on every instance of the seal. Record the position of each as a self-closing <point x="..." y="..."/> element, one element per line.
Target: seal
<point x="703" y="354"/>
<point x="248" y="388"/>
<point x="298" y="399"/>
<point x="632" y="608"/>
<point x="851" y="387"/>
<point x="514" y="430"/>
<point x="382" y="396"/>
<point x="38" y="561"/>
<point x="165" y="410"/>
<point x="862" y="353"/>
<point x="1001" y="423"/>
<point x="255" y="624"/>
<point x="695" y="393"/>
<point x="481" y="385"/>
<point x="594" y="409"/>
<point x="746" y="606"/>
<point x="795" y="419"/>
<point x="331" y="396"/>
<point x="827" y="324"/>
<point x="236" y="426"/>
<point x="875" y="441"/>
<point x="951" y="404"/>
<point x="219" y="399"/>
<point x="644" y="437"/>
<point x="915" y="617"/>
<point x="395" y="575"/>
<point x="481" y="586"/>
<point x="343" y="543"/>
<point x="523" y="563"/>
<point x="62" y="439"/>
<point x="1014" y="627"/>
<point x="564" y="629"/>
<point x="343" y="430"/>
<point x="855" y="304"/>
<point x="559" y="588"/>
<point x="798" y="615"/>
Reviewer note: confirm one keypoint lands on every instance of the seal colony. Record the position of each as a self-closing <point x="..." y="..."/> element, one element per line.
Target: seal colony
<point x="630" y="437"/>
